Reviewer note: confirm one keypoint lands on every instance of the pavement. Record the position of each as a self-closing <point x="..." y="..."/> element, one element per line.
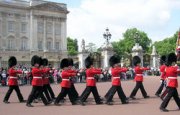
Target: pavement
<point x="140" y="106"/>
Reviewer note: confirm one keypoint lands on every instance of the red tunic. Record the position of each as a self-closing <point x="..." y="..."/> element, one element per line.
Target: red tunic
<point x="139" y="73"/>
<point x="46" y="76"/>
<point x="162" y="70"/>
<point x="65" y="74"/>
<point x="116" y="81"/>
<point x="90" y="72"/>
<point x="13" y="76"/>
<point x="171" y="74"/>
<point x="37" y="77"/>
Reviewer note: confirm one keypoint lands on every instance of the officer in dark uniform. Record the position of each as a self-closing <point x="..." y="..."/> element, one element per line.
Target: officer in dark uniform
<point x="13" y="80"/>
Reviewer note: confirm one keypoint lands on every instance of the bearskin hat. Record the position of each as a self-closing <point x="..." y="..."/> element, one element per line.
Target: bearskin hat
<point x="171" y="58"/>
<point x="45" y="62"/>
<point x="35" y="60"/>
<point x="136" y="60"/>
<point x="163" y="59"/>
<point x="41" y="61"/>
<point x="64" y="63"/>
<point x="88" y="62"/>
<point x="70" y="62"/>
<point x="12" y="61"/>
<point x="114" y="60"/>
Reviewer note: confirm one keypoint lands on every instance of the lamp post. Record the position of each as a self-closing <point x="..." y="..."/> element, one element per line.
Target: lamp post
<point x="107" y="35"/>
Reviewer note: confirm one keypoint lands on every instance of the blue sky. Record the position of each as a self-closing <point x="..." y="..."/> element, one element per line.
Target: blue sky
<point x="88" y="19"/>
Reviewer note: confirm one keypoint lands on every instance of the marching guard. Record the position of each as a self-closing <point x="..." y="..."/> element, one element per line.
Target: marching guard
<point x="13" y="81"/>
<point x="71" y="70"/>
<point x="138" y="78"/>
<point x="116" y="82"/>
<point x="65" y="84"/>
<point x="163" y="76"/>
<point x="91" y="82"/>
<point x="37" y="82"/>
<point x="46" y="84"/>
<point x="172" y="72"/>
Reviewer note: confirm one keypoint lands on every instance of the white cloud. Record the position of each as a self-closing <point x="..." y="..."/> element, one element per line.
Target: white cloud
<point x="93" y="16"/>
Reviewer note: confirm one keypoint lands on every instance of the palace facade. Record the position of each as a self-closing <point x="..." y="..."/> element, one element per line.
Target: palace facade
<point x="34" y="27"/>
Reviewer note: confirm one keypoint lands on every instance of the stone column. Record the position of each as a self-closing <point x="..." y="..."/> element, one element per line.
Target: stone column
<point x="82" y="56"/>
<point x="63" y="38"/>
<point x="44" y="36"/>
<point x="107" y="53"/>
<point x="31" y="31"/>
<point x="53" y="27"/>
<point x="155" y="60"/>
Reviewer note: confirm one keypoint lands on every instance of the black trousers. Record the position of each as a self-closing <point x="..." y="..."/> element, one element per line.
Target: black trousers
<point x="74" y="91"/>
<point x="87" y="92"/>
<point x="172" y="92"/>
<point x="84" y="92"/>
<point x="37" y="91"/>
<point x="108" y="93"/>
<point x="45" y="91"/>
<point x="159" y="91"/>
<point x="65" y="91"/>
<point x="120" y="92"/>
<point x="10" y="90"/>
<point x="139" y="85"/>
<point x="50" y="91"/>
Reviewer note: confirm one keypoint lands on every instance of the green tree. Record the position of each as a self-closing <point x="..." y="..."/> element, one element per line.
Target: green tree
<point x="91" y="47"/>
<point x="167" y="45"/>
<point x="72" y="46"/>
<point x="124" y="46"/>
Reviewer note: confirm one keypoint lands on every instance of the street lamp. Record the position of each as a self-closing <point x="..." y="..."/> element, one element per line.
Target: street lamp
<point x="107" y="35"/>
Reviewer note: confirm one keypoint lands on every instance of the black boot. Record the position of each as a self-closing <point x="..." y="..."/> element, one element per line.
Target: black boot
<point x="163" y="109"/>
<point x="29" y="105"/>
<point x="6" y="102"/>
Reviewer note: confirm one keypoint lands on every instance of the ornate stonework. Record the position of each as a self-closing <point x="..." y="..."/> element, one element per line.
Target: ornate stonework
<point x="32" y="28"/>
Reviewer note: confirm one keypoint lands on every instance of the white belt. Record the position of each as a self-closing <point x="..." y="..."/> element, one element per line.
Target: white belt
<point x="37" y="77"/>
<point x="172" y="77"/>
<point x="90" y="77"/>
<point x="116" y="77"/>
<point x="13" y="77"/>
<point x="139" y="74"/>
<point x="65" y="79"/>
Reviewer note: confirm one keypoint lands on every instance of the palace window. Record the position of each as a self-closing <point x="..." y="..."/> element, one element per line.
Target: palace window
<point x="58" y="29"/>
<point x="10" y="44"/>
<point x="11" y="26"/>
<point x="40" y="47"/>
<point x="57" y="45"/>
<point x="49" y="28"/>
<point x="40" y="27"/>
<point x="49" y="45"/>
<point x="24" y="44"/>
<point x="23" y="27"/>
